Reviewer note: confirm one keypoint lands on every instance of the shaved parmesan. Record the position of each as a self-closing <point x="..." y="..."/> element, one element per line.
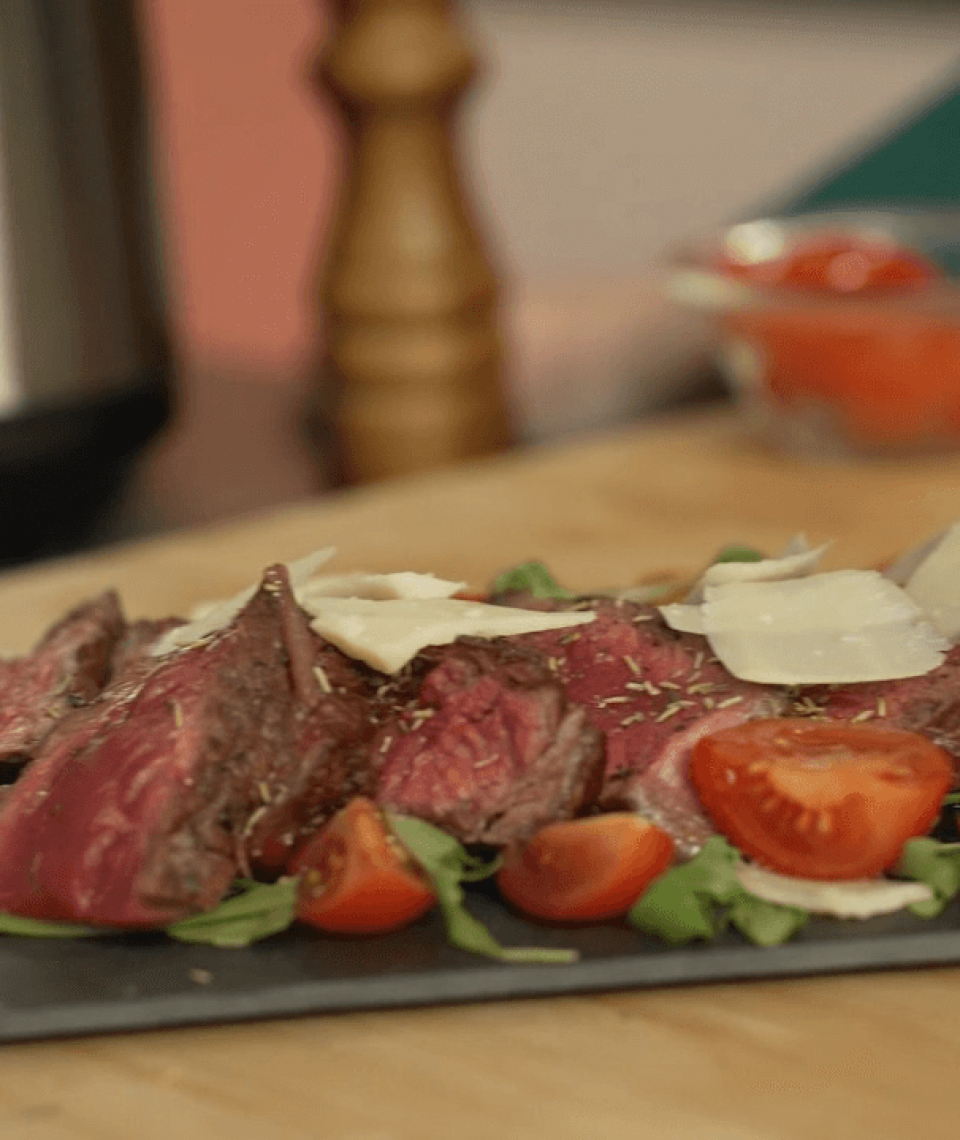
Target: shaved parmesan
<point x="935" y="583"/>
<point x="901" y="569"/>
<point x="377" y="587"/>
<point x="840" y="627"/>
<point x="797" y="544"/>
<point x="303" y="569"/>
<point x="797" y="559"/>
<point x="208" y="618"/>
<point x="834" y="628"/>
<point x="852" y="898"/>
<point x="387" y="634"/>
<point x="684" y="618"/>
<point x="766" y="570"/>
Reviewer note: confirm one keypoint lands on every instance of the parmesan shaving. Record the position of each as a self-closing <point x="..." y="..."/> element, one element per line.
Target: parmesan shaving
<point x="208" y="618"/>
<point x="797" y="560"/>
<point x="840" y="627"/>
<point x="683" y="617"/>
<point x="387" y="634"/>
<point x="933" y="584"/>
<point x="767" y="569"/>
<point x="835" y="628"/>
<point x="850" y="898"/>
<point x="377" y="587"/>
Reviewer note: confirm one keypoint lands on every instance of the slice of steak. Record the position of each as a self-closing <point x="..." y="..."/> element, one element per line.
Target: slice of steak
<point x="653" y="692"/>
<point x="929" y="704"/>
<point x="328" y="763"/>
<point x="139" y="809"/>
<point x="69" y="666"/>
<point x="479" y="739"/>
<point x="645" y="685"/>
<point x="662" y="791"/>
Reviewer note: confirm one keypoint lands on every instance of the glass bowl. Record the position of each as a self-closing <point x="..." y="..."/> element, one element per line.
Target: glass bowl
<point x="838" y="332"/>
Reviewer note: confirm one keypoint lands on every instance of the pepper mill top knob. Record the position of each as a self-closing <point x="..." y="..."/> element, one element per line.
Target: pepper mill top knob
<point x="396" y="53"/>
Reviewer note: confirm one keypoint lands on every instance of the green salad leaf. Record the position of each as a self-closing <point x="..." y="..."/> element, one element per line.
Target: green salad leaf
<point x="765" y="923"/>
<point x="259" y="910"/>
<point x="46" y="928"/>
<point x="447" y="864"/>
<point x="937" y="864"/>
<point x="697" y="900"/>
<point x="531" y="578"/>
<point x="736" y="553"/>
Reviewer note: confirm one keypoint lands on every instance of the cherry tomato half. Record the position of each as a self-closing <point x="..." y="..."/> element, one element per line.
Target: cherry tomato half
<point x="820" y="799"/>
<point x="356" y="878"/>
<point x="586" y="869"/>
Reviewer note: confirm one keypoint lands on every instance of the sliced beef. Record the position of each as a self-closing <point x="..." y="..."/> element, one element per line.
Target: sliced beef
<point x="328" y="763"/>
<point x="68" y="667"/>
<point x="653" y="692"/>
<point x="479" y="739"/>
<point x="929" y="704"/>
<point x="139" y="809"/>
<point x="646" y="686"/>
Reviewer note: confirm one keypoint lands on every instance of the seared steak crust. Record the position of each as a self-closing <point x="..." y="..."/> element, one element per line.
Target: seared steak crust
<point x="69" y="666"/>
<point x="140" y="809"/>
<point x="327" y="761"/>
<point x="478" y="738"/>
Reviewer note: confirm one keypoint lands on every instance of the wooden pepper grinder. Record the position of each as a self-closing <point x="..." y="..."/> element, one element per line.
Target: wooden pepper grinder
<point x="407" y="297"/>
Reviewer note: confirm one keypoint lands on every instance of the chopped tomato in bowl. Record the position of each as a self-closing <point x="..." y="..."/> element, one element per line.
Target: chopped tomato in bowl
<point x="840" y="333"/>
<point x="834" y="263"/>
<point x="820" y="799"/>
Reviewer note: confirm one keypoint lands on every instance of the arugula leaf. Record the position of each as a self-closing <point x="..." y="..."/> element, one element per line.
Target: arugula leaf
<point x="766" y="923"/>
<point x="670" y="909"/>
<point x="447" y="865"/>
<point x="532" y="578"/>
<point x="936" y="864"/>
<point x="45" y="928"/>
<point x="697" y="900"/>
<point x="683" y="904"/>
<point x="738" y="553"/>
<point x="261" y="909"/>
<point x="714" y="870"/>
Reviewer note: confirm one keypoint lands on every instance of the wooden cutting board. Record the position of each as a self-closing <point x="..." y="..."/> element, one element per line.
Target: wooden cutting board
<point x="605" y="510"/>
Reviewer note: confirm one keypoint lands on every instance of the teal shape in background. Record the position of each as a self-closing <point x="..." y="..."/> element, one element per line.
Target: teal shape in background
<point x="914" y="163"/>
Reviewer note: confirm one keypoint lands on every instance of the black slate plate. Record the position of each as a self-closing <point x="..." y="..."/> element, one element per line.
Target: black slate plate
<point x="51" y="988"/>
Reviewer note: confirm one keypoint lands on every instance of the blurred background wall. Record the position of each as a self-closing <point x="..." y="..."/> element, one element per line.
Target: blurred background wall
<point x="601" y="131"/>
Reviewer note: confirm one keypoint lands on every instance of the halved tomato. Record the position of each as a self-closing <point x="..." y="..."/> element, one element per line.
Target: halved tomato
<point x="820" y="799"/>
<point x="356" y="878"/>
<point x="585" y="869"/>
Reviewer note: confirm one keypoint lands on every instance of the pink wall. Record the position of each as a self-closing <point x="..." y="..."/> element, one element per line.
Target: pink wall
<point x="247" y="166"/>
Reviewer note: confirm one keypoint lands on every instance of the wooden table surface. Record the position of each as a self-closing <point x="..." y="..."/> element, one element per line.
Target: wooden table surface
<point x="863" y="1056"/>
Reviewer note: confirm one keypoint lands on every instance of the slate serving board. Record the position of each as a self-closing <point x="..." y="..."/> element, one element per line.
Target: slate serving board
<point x="52" y="988"/>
